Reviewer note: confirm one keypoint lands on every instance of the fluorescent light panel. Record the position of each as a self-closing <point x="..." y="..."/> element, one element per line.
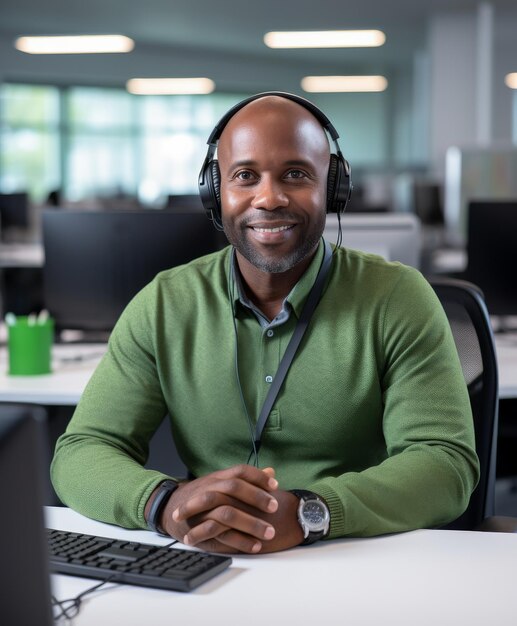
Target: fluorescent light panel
<point x="75" y="44"/>
<point x="511" y="80"/>
<point x="338" y="84"/>
<point x="325" y="39"/>
<point x="170" y="86"/>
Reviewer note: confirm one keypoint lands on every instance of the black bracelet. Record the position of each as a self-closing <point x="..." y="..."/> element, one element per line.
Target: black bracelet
<point x="165" y="490"/>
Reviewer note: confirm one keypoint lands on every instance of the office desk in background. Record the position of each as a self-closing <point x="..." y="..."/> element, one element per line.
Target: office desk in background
<point x="21" y="255"/>
<point x="72" y="367"/>
<point x="419" y="578"/>
<point x="506" y="349"/>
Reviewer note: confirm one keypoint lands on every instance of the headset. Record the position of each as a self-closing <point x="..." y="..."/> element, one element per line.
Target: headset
<point x="339" y="182"/>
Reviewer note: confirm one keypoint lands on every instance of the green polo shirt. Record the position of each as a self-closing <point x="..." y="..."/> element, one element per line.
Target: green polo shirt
<point x="374" y="414"/>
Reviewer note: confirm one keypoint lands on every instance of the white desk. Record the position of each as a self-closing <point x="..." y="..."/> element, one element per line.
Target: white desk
<point x="506" y="348"/>
<point x="421" y="578"/>
<point x="21" y="255"/>
<point x="72" y="367"/>
<point x="74" y="364"/>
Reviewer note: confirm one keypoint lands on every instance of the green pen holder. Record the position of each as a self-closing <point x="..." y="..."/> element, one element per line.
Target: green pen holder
<point x="30" y="347"/>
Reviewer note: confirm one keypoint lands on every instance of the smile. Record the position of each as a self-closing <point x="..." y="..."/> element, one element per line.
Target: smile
<point x="276" y="229"/>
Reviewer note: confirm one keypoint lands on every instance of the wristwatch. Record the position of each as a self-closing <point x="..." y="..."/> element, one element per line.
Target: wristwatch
<point x="313" y="516"/>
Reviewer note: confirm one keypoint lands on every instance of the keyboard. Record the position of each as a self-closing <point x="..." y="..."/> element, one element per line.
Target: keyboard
<point x="131" y="562"/>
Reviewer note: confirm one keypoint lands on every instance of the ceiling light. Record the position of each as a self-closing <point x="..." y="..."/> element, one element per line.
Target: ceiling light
<point x="170" y="86"/>
<point x="75" y="44"/>
<point x="511" y="80"/>
<point x="327" y="84"/>
<point x="325" y="39"/>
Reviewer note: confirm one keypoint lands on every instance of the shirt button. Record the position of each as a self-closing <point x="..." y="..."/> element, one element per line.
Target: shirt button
<point x="270" y="333"/>
<point x="269" y="379"/>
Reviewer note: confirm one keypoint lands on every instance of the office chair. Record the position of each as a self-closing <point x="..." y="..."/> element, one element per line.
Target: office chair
<point x="470" y="323"/>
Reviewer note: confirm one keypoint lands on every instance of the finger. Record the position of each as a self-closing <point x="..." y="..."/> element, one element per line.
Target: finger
<point x="225" y="492"/>
<point x="204" y="531"/>
<point x="210" y="530"/>
<point x="226" y="518"/>
<point x="250" y="474"/>
<point x="235" y="541"/>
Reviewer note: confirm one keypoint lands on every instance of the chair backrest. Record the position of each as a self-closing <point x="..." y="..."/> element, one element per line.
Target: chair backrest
<point x="470" y="323"/>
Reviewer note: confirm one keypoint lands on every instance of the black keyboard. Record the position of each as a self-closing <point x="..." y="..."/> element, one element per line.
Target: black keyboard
<point x="131" y="562"/>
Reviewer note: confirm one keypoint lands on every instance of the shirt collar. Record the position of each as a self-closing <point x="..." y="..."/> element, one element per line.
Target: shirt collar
<point x="296" y="297"/>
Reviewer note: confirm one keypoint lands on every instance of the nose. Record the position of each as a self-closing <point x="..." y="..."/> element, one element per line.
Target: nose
<point x="269" y="194"/>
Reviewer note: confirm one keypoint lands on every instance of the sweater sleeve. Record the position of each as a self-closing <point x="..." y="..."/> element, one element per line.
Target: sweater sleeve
<point x="98" y="463"/>
<point x="431" y="467"/>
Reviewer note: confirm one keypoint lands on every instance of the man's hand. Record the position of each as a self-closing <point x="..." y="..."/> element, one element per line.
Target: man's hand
<point x="239" y="509"/>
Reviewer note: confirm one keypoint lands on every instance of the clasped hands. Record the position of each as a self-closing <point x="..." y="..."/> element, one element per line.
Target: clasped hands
<point x="239" y="509"/>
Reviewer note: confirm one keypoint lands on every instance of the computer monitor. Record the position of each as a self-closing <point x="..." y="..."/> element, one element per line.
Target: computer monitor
<point x="427" y="203"/>
<point x="492" y="253"/>
<point x="25" y="594"/>
<point x="184" y="203"/>
<point x="14" y="211"/>
<point x="394" y="236"/>
<point x="472" y="174"/>
<point x="95" y="262"/>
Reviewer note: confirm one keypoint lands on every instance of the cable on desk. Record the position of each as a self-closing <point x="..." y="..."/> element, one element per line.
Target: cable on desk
<point x="70" y="607"/>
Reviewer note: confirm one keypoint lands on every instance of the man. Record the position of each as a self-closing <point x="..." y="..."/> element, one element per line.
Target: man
<point x="373" y="419"/>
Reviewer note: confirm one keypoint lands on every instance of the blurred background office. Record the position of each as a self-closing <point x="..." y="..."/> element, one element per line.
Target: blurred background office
<point x="70" y="131"/>
<point x="427" y="115"/>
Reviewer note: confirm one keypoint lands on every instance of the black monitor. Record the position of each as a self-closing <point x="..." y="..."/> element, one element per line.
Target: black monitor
<point x="14" y="211"/>
<point x="492" y="253"/>
<point x="184" y="203"/>
<point x="95" y="262"/>
<point x="25" y="574"/>
<point x="427" y="202"/>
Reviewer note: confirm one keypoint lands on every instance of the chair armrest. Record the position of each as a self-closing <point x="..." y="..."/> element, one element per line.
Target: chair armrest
<point x="498" y="524"/>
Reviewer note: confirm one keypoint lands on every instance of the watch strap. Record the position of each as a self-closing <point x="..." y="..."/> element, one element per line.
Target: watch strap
<point x="165" y="490"/>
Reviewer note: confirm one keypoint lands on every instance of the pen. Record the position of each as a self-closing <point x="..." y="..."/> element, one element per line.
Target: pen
<point x="42" y="317"/>
<point x="10" y="319"/>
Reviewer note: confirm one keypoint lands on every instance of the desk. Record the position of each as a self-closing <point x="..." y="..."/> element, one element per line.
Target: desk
<point x="21" y="255"/>
<point x="72" y="367"/>
<point x="506" y="348"/>
<point x="420" y="578"/>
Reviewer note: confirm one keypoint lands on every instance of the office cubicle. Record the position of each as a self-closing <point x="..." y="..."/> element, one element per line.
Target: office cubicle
<point x="394" y="236"/>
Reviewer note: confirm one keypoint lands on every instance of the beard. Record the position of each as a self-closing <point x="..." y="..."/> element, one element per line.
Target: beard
<point x="273" y="263"/>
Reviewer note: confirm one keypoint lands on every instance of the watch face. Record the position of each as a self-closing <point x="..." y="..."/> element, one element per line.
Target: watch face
<point x="315" y="515"/>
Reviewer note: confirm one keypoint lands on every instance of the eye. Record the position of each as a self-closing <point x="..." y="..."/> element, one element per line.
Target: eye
<point x="244" y="175"/>
<point x="296" y="174"/>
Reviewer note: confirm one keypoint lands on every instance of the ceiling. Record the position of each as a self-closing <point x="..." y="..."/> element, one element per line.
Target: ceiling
<point x="212" y="28"/>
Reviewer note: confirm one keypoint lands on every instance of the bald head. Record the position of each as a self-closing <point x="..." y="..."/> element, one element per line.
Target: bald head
<point x="276" y="119"/>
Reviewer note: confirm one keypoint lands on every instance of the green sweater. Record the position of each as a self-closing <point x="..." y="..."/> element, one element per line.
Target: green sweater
<point x="374" y="414"/>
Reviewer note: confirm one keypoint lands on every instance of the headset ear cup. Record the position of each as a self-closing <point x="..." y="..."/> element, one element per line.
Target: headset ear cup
<point x="215" y="188"/>
<point x="216" y="183"/>
<point x="332" y="183"/>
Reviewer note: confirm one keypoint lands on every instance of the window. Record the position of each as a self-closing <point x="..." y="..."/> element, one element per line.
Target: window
<point x="100" y="142"/>
<point x="29" y="139"/>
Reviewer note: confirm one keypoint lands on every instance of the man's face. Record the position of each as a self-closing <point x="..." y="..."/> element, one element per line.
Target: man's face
<point x="273" y="158"/>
